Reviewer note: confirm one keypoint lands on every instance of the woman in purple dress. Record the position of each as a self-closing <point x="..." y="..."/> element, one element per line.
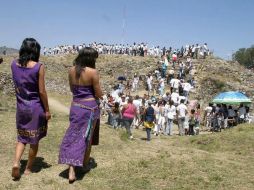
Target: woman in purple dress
<point x="32" y="103"/>
<point x="84" y="112"/>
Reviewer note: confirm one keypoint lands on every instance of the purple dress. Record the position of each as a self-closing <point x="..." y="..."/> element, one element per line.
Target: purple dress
<point x="83" y="113"/>
<point x="30" y="115"/>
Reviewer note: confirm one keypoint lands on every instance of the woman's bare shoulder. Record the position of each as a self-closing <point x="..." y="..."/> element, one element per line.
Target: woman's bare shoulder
<point x="91" y="70"/>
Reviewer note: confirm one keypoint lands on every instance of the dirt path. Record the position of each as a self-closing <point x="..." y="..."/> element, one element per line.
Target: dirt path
<point x="58" y="106"/>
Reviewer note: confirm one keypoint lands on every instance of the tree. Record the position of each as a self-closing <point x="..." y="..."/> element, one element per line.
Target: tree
<point x="245" y="56"/>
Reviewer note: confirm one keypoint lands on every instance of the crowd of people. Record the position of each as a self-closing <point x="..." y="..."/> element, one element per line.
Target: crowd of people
<point x="166" y="102"/>
<point x="156" y="111"/>
<point x="135" y="49"/>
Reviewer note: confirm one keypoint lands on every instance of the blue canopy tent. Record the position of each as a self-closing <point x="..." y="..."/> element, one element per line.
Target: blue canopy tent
<point x="232" y="98"/>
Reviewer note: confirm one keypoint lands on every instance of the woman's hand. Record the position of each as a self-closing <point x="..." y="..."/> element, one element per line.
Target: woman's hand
<point x="48" y="115"/>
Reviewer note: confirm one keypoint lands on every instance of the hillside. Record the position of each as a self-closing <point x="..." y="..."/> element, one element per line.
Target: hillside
<point x="7" y="51"/>
<point x="208" y="161"/>
<point x="211" y="75"/>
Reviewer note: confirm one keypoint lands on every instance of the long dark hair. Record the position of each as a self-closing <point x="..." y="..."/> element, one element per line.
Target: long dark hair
<point x="86" y="58"/>
<point x="29" y="51"/>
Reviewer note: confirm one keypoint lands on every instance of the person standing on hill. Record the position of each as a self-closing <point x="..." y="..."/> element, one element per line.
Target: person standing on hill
<point x="164" y="66"/>
<point x="84" y="112"/>
<point x="149" y="82"/>
<point x="197" y="51"/>
<point x="32" y="103"/>
<point x="135" y="83"/>
<point x="171" y="113"/>
<point x="174" y="59"/>
<point x="205" y="49"/>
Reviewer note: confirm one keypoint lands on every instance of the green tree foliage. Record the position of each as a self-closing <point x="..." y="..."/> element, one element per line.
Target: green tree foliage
<point x="245" y="56"/>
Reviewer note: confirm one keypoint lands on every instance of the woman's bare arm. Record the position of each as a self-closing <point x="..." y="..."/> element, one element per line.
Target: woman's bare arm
<point x="42" y="91"/>
<point x="96" y="85"/>
<point x="70" y="81"/>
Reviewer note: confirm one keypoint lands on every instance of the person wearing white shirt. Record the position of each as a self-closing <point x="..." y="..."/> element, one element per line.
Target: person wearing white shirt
<point x="242" y="113"/>
<point x="135" y="83"/>
<point x="166" y="96"/>
<point x="161" y="86"/>
<point x="186" y="89"/>
<point x="182" y="98"/>
<point x="171" y="113"/>
<point x="137" y="102"/>
<point x="176" y="84"/>
<point x="149" y="83"/>
<point x="181" y="114"/>
<point x="171" y="74"/>
<point x="160" y="120"/>
<point x="205" y="49"/>
<point x="197" y="51"/>
<point x="208" y="115"/>
<point x="175" y="97"/>
<point x="192" y="51"/>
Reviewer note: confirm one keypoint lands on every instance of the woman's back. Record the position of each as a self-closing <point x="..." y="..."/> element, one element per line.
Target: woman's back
<point x="85" y="86"/>
<point x="26" y="82"/>
<point x="85" y="78"/>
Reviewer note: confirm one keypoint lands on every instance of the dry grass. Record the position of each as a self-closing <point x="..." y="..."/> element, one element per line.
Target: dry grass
<point x="213" y="161"/>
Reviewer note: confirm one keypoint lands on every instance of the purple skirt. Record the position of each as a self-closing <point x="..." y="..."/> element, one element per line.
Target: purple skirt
<point x="79" y="134"/>
<point x="31" y="123"/>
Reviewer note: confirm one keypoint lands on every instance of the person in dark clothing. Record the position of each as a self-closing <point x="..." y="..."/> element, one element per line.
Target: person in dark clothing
<point x="192" y="122"/>
<point x="149" y="120"/>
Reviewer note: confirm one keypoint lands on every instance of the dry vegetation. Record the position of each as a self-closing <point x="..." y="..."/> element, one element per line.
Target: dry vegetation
<point x="212" y="161"/>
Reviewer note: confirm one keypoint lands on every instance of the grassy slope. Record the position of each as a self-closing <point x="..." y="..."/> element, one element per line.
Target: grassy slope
<point x="213" y="161"/>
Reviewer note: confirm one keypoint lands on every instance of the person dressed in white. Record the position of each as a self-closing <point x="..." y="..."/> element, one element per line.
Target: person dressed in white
<point x="166" y="96"/>
<point x="208" y="116"/>
<point x="186" y="89"/>
<point x="181" y="114"/>
<point x="182" y="98"/>
<point x="161" y="118"/>
<point x="161" y="87"/>
<point x="171" y="113"/>
<point x="175" y="97"/>
<point x="135" y="83"/>
<point x="174" y="83"/>
<point x="205" y="50"/>
<point x="137" y="102"/>
<point x="149" y="81"/>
